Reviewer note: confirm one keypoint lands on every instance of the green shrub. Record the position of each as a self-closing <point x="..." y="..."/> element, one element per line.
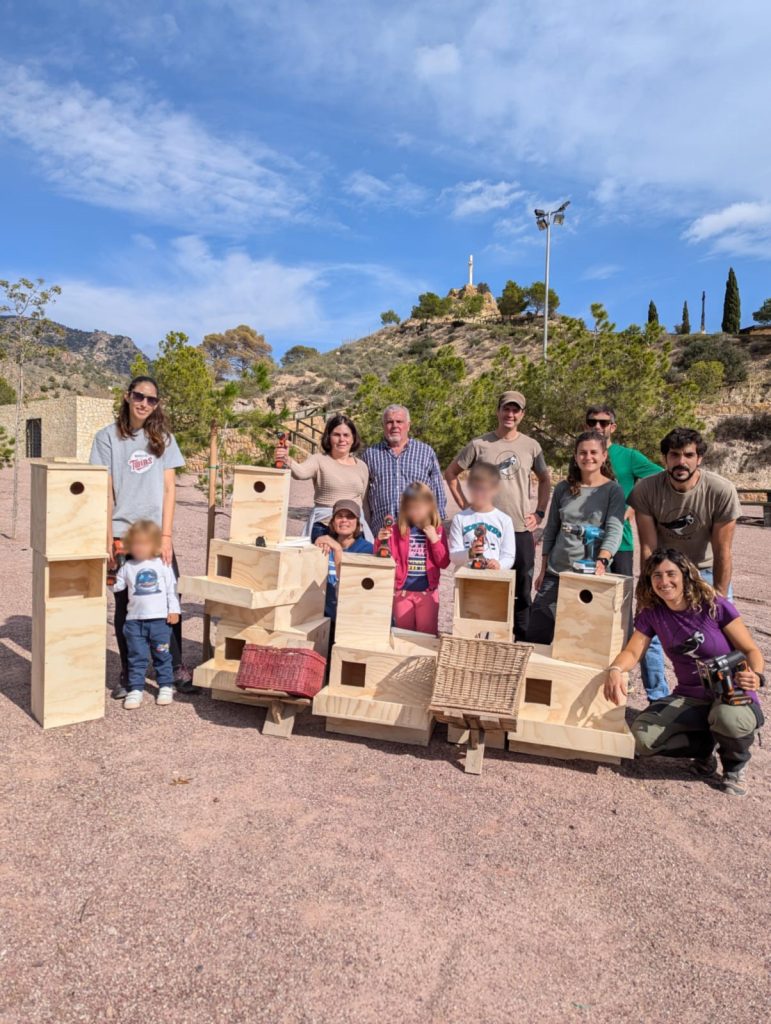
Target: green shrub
<point x="720" y="348"/>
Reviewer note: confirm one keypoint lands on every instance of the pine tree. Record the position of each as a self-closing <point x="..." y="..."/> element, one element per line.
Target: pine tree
<point x="653" y="313"/>
<point x="685" y="326"/>
<point x="731" y="305"/>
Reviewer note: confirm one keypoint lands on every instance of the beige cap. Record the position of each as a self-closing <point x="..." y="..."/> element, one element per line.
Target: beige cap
<point x="512" y="396"/>
<point x="349" y="505"/>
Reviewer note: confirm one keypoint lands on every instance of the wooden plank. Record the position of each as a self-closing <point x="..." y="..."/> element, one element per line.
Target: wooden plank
<point x="475" y="752"/>
<point x="68" y="510"/>
<point x="404" y="679"/>
<point x="564" y="693"/>
<point x="260" y="504"/>
<point x="574" y="738"/>
<point x="535" y="750"/>
<point x="483" y="603"/>
<point x="204" y="589"/>
<point x="387" y="734"/>
<point x="247" y="566"/>
<point x="494" y="739"/>
<point x="594" y="618"/>
<point x="230" y="637"/>
<point x="365" y="601"/>
<point x="279" y="719"/>
<point x="363" y="709"/>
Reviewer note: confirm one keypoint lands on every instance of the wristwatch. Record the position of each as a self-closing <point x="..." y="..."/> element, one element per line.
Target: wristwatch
<point x="605" y="561"/>
<point x="540" y="513"/>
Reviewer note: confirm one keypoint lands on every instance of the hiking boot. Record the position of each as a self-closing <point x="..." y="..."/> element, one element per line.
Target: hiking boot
<point x="165" y="695"/>
<point x="120" y="690"/>
<point x="734" y="783"/>
<point x="133" y="700"/>
<point x="704" y="767"/>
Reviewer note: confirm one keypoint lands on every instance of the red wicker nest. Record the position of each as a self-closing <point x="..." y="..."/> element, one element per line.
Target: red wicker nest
<point x="290" y="670"/>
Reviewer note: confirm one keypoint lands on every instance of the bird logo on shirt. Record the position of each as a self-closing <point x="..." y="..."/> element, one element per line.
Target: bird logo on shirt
<point x="683" y="525"/>
<point x="508" y="464"/>
<point x="690" y="647"/>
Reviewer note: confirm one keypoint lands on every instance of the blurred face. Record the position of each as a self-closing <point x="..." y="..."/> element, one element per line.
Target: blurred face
<point x="344" y="524"/>
<point x="396" y="427"/>
<point x="590" y="456"/>
<point x="667" y="582"/>
<point x="417" y="511"/>
<point x="143" y="547"/>
<point x="682" y="463"/>
<point x="510" y="416"/>
<point x="341" y="440"/>
<point x="482" y="491"/>
<point x="142" y="400"/>
<point x="602" y="423"/>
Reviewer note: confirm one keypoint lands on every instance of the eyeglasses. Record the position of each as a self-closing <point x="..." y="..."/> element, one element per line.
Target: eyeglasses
<point x="139" y="396"/>
<point x="592" y="421"/>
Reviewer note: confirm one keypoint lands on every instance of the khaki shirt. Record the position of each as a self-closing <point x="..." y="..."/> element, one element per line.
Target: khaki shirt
<point x="516" y="460"/>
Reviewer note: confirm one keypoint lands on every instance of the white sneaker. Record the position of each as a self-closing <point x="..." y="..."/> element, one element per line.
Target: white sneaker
<point x="133" y="700"/>
<point x="165" y="695"/>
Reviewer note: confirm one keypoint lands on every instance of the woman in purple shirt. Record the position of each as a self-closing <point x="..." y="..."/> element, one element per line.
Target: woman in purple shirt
<point x="694" y="624"/>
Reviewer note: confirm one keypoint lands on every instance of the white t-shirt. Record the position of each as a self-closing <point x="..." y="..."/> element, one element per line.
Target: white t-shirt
<point x="500" y="542"/>
<point x="151" y="586"/>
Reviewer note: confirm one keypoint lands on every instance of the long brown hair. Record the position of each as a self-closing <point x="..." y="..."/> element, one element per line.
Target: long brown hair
<point x="698" y="594"/>
<point x="574" y="473"/>
<point x="156" y="425"/>
<point x="417" y="491"/>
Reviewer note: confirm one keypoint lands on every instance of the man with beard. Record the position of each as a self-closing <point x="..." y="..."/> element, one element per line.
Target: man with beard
<point x="396" y="462"/>
<point x="691" y="510"/>
<point x="516" y="456"/>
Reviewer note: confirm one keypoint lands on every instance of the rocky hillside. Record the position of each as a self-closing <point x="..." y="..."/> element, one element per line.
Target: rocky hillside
<point x="77" y="362"/>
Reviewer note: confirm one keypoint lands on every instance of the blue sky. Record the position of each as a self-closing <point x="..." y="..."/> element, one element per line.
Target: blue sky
<point x="302" y="165"/>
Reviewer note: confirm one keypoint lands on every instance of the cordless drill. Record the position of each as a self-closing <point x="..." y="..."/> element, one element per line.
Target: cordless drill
<point x="717" y="676"/>
<point x="119" y="556"/>
<point x="281" y="463"/>
<point x="383" y="550"/>
<point x="479" y="561"/>
<point x="590" y="535"/>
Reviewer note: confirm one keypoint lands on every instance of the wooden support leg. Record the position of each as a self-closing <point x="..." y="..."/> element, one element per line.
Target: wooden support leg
<point x="475" y="751"/>
<point x="279" y="719"/>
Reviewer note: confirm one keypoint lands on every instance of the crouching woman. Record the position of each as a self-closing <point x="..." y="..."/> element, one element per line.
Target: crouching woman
<point x="695" y="624"/>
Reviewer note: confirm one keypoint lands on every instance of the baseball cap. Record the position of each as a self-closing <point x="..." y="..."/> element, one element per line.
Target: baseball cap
<point x="349" y="505"/>
<point x="512" y="396"/>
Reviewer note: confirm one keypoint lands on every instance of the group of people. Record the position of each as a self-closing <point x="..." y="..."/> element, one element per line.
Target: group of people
<point x="393" y="494"/>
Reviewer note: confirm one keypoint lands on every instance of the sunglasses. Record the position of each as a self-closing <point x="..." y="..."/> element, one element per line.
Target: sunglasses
<point x="592" y="421"/>
<point x="139" y="396"/>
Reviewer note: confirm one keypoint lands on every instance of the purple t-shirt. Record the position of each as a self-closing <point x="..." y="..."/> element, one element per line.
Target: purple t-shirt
<point x="687" y="637"/>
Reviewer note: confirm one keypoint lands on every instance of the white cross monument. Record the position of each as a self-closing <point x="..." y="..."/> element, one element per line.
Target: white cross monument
<point x="471" y="270"/>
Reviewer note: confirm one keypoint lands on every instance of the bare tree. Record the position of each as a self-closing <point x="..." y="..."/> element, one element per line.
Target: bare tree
<point x="26" y="302"/>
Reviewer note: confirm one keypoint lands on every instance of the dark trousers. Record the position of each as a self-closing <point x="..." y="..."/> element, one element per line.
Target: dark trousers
<point x="622" y="564"/>
<point x="121" y="608"/>
<point x="141" y="636"/>
<point x="524" y="563"/>
<point x="543" y="614"/>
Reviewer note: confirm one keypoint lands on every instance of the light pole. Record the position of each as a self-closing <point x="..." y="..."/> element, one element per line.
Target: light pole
<point x="544" y="219"/>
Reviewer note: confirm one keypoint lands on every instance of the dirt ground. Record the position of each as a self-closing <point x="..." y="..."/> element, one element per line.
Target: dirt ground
<point x="172" y="865"/>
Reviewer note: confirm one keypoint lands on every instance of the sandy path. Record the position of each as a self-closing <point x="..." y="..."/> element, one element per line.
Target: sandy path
<point x="172" y="865"/>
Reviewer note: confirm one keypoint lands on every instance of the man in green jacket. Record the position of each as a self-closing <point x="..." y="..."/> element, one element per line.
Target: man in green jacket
<point x="628" y="466"/>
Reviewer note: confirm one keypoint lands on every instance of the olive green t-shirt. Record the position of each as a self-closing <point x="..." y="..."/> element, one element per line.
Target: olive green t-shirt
<point x="684" y="519"/>
<point x="516" y="460"/>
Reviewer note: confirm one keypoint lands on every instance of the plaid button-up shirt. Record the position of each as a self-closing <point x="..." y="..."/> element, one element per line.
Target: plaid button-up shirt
<point x="390" y="475"/>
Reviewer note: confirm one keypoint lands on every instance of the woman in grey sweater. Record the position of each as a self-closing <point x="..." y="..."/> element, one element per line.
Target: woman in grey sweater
<point x="589" y="497"/>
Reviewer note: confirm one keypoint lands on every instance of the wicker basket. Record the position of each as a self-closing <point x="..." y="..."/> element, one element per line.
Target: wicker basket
<point x="479" y="676"/>
<point x="290" y="670"/>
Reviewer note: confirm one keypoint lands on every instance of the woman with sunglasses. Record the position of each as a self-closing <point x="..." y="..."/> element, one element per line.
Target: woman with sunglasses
<point x="141" y="456"/>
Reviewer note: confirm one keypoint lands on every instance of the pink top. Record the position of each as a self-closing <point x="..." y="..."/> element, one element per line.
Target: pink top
<point x="437" y="557"/>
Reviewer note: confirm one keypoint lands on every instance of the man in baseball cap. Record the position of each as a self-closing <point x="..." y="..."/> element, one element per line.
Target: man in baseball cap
<point x="516" y="456"/>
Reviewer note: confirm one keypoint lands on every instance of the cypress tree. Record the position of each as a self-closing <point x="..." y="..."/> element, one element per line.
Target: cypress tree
<point x="731" y="305"/>
<point x="653" y="313"/>
<point x="685" y="326"/>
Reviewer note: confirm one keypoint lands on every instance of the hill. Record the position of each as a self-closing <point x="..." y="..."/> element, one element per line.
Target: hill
<point x="80" y="362"/>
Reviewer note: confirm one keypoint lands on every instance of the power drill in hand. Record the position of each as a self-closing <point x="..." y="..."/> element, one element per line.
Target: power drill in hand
<point x="717" y="676"/>
<point x="479" y="561"/>
<point x="383" y="550"/>
<point x="590" y="535"/>
<point x="281" y="463"/>
<point x="119" y="556"/>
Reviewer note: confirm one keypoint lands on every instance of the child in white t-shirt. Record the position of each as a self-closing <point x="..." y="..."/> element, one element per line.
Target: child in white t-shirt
<point x="497" y="543"/>
<point x="153" y="608"/>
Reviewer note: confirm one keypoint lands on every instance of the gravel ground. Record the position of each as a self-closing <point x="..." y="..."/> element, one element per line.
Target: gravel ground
<point x="172" y="865"/>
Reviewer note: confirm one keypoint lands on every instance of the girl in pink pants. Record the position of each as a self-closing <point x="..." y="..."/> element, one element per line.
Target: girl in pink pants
<point x="419" y="548"/>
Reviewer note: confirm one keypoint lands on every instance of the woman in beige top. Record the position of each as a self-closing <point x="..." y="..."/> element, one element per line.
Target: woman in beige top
<point x="335" y="470"/>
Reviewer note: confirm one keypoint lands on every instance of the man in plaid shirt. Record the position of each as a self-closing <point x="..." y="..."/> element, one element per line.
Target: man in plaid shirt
<point x="396" y="462"/>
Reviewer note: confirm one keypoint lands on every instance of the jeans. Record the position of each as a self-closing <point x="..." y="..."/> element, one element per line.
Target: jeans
<point x="121" y="608"/>
<point x="142" y="635"/>
<point x="652" y="669"/>
<point x="524" y="563"/>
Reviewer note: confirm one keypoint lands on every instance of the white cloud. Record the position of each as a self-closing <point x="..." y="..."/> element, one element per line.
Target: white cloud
<point x="437" y="61"/>
<point x="742" y="229"/>
<point x="469" y="198"/>
<point x="601" y="272"/>
<point x="130" y="153"/>
<point x="394" y="191"/>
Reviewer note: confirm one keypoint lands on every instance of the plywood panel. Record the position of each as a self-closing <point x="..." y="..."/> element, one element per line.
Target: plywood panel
<point x="365" y="602"/>
<point x="384" y="733"/>
<point x="203" y="588"/>
<point x="594" y="617"/>
<point x="363" y="709"/>
<point x="398" y="678"/>
<point x="483" y="603"/>
<point x="573" y="738"/>
<point x="245" y="565"/>
<point x="495" y="739"/>
<point x="314" y="636"/>
<point x="68" y="509"/>
<point x="260" y="504"/>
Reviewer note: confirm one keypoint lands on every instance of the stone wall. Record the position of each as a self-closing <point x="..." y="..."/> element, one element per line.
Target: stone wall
<point x="67" y="425"/>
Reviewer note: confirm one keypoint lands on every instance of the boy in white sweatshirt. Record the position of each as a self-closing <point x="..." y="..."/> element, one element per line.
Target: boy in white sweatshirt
<point x="153" y="608"/>
<point x="498" y="545"/>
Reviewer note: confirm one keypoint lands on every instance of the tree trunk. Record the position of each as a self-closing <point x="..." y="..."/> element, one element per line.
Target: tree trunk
<point x="210" y="523"/>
